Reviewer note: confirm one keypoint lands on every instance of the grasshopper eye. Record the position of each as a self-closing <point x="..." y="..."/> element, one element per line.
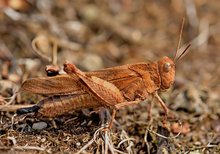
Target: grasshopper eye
<point x="167" y="67"/>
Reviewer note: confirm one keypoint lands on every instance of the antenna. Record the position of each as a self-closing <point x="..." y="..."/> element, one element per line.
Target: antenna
<point x="180" y="37"/>
<point x="183" y="53"/>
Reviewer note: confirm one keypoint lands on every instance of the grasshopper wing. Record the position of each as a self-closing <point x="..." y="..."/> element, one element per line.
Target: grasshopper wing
<point x="114" y="73"/>
<point x="64" y="84"/>
<point x="57" y="85"/>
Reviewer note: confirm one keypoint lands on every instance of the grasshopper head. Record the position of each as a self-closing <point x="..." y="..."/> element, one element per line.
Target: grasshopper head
<point x="166" y="68"/>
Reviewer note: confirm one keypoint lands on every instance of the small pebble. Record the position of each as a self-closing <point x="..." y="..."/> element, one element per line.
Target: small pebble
<point x="39" y="125"/>
<point x="194" y="152"/>
<point x="43" y="139"/>
<point x="89" y="123"/>
<point x="78" y="144"/>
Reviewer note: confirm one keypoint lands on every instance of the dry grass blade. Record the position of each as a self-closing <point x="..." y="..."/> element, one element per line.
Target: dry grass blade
<point x="23" y="148"/>
<point x="85" y="146"/>
<point x="170" y="137"/>
<point x="26" y="147"/>
<point x="125" y="140"/>
<point x="8" y="104"/>
<point x="12" y="108"/>
<point x="37" y="51"/>
<point x="106" y="141"/>
<point x="54" y="53"/>
<point x="146" y="142"/>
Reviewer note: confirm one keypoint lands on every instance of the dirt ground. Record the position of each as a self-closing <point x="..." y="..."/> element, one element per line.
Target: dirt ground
<point x="99" y="34"/>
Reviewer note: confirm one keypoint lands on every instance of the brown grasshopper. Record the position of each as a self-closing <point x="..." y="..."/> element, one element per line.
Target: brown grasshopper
<point x="114" y="87"/>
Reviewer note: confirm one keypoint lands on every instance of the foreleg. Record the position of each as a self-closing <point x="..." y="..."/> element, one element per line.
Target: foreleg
<point x="166" y="110"/>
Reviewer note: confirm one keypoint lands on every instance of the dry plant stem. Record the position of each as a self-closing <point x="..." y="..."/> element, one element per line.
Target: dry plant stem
<point x="53" y="57"/>
<point x="56" y="42"/>
<point x="203" y="148"/>
<point x="12" y="120"/>
<point x="125" y="140"/>
<point x="54" y="53"/>
<point x="23" y="148"/>
<point x="157" y="134"/>
<point x="209" y="145"/>
<point x="130" y="142"/>
<point x="119" y="151"/>
<point x="108" y="145"/>
<point x="33" y="43"/>
<point x="171" y="137"/>
<point x="12" y="98"/>
<point x="12" y="108"/>
<point x="85" y="146"/>
<point x="146" y="142"/>
<point x="106" y="142"/>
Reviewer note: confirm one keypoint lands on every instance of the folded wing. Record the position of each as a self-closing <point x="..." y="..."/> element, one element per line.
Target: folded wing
<point x="120" y="76"/>
<point x="57" y="85"/>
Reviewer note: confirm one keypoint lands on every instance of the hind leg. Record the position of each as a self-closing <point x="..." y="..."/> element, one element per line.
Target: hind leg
<point x="117" y="107"/>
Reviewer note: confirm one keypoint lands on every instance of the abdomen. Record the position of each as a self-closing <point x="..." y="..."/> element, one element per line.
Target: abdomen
<point x="58" y="105"/>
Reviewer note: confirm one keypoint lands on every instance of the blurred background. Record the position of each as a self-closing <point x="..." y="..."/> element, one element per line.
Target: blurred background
<point x="98" y="34"/>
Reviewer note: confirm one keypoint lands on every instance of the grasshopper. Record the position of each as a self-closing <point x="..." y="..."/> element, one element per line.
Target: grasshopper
<point x="113" y="88"/>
